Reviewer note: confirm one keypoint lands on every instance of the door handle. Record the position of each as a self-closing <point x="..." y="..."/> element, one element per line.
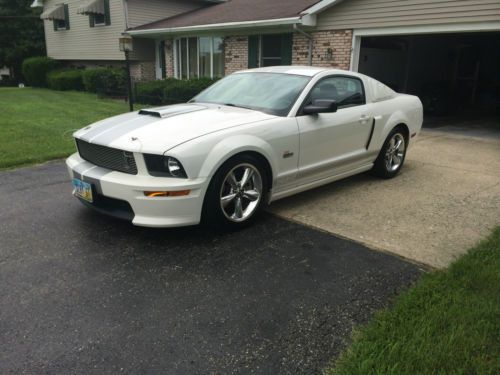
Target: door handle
<point x="364" y="118"/>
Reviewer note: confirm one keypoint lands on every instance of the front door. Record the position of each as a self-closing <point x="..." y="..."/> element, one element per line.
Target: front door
<point x="333" y="143"/>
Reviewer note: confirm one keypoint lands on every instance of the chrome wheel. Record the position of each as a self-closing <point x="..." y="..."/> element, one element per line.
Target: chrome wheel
<point x="395" y="152"/>
<point x="241" y="192"/>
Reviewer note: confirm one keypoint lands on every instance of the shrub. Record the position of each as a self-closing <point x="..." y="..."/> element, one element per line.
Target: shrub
<point x="170" y="90"/>
<point x="152" y="92"/>
<point x="35" y="70"/>
<point x="105" y="81"/>
<point x="183" y="91"/>
<point x="66" y="80"/>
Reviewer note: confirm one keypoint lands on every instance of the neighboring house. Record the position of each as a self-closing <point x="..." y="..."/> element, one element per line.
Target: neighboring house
<point x="443" y="50"/>
<point x="86" y="32"/>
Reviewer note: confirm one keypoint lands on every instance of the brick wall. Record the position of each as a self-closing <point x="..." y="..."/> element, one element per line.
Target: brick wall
<point x="142" y="70"/>
<point x="339" y="41"/>
<point x="236" y="53"/>
<point x="169" y="57"/>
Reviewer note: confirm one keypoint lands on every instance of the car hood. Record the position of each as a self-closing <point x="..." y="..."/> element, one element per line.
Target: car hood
<point x="157" y="130"/>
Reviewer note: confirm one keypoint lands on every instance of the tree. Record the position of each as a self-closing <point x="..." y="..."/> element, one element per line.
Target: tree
<point x="21" y="34"/>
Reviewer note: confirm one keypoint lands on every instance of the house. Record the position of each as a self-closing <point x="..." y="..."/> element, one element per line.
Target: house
<point x="446" y="51"/>
<point x="85" y="33"/>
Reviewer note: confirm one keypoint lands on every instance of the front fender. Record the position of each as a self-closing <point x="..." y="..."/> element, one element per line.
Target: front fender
<point x="202" y="158"/>
<point x="228" y="147"/>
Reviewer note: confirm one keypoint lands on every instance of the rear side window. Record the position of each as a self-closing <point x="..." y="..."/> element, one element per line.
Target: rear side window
<point x="346" y="91"/>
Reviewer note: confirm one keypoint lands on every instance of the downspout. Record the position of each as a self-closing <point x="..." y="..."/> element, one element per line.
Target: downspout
<point x="310" y="38"/>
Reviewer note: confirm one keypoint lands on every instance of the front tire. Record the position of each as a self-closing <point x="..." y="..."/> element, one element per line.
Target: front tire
<point x="236" y="193"/>
<point x="392" y="155"/>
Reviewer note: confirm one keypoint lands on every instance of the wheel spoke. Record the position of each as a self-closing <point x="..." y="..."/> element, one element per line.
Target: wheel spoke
<point x="391" y="144"/>
<point x="238" y="208"/>
<point x="227" y="199"/>
<point x="246" y="176"/>
<point x="398" y="144"/>
<point x="232" y="180"/>
<point x="395" y="160"/>
<point x="251" y="195"/>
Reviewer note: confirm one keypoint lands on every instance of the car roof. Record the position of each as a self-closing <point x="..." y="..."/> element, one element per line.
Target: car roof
<point x="308" y="71"/>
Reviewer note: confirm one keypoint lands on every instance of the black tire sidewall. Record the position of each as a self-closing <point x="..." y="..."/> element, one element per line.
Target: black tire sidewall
<point x="212" y="214"/>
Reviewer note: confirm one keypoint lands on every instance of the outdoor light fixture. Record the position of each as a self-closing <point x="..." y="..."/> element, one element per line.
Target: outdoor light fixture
<point x="127" y="45"/>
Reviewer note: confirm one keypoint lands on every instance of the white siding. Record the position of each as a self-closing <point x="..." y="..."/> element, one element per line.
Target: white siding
<point x="82" y="42"/>
<point x="353" y="14"/>
<point x="141" y="12"/>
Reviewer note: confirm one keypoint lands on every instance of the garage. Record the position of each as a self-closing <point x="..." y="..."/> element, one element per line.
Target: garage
<point x="456" y="75"/>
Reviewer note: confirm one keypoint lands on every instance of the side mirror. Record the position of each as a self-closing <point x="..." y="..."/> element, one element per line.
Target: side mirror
<point x="320" y="106"/>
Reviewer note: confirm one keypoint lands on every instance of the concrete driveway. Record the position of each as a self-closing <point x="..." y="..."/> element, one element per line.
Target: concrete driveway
<point x="445" y="200"/>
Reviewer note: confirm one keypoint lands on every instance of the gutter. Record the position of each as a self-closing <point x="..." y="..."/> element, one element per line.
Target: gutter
<point x="310" y="39"/>
<point x="223" y="26"/>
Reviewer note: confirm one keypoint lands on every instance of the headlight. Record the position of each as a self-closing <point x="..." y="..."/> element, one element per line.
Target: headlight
<point x="164" y="166"/>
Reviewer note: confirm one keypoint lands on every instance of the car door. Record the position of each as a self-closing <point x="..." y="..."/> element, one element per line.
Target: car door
<point x="333" y="143"/>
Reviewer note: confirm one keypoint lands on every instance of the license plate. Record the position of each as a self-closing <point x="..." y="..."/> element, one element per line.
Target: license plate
<point x="82" y="189"/>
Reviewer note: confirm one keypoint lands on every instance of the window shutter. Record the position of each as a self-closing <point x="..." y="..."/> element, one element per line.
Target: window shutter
<point x="286" y="49"/>
<point x="54" y="22"/>
<point x="66" y="15"/>
<point x="107" y="12"/>
<point x="91" y="20"/>
<point x="253" y="51"/>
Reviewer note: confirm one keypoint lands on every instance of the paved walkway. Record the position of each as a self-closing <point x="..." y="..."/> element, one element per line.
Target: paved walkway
<point x="445" y="200"/>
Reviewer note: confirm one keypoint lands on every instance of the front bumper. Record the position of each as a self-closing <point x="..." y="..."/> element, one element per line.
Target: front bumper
<point x="116" y="191"/>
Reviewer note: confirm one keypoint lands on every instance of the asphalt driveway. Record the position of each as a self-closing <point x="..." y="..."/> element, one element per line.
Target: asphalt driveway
<point x="445" y="200"/>
<point x="81" y="293"/>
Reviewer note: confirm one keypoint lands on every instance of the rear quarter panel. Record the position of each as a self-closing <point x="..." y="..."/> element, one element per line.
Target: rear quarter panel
<point x="401" y="109"/>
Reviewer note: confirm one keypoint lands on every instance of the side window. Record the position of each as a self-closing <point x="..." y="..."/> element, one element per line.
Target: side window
<point x="60" y="17"/>
<point x="98" y="12"/>
<point x="347" y="92"/>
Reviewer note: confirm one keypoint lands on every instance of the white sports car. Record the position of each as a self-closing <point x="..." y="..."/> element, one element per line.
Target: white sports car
<point x="251" y="138"/>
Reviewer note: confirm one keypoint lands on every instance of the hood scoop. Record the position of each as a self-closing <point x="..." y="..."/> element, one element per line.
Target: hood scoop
<point x="172" y="110"/>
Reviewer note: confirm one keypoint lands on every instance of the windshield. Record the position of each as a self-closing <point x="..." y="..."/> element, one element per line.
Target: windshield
<point x="267" y="92"/>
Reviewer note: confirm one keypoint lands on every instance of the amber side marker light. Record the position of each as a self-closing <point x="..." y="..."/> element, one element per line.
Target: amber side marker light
<point x="179" y="193"/>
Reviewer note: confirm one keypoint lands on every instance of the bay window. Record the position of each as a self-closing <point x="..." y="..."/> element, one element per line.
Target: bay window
<point x="197" y="57"/>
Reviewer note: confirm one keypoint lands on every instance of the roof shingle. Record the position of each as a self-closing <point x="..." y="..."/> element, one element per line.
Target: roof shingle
<point x="234" y="11"/>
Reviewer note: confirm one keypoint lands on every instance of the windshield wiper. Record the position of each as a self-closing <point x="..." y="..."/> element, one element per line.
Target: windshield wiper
<point x="237" y="106"/>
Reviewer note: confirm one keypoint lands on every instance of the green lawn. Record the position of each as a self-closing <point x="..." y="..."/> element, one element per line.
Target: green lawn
<point x="448" y="323"/>
<point x="36" y="124"/>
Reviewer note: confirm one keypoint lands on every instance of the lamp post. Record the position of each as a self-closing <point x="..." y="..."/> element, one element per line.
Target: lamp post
<point x="126" y="46"/>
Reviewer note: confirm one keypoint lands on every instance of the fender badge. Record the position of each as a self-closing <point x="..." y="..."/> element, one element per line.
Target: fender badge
<point x="287" y="154"/>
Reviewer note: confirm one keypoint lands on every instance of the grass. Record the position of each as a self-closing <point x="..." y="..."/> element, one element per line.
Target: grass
<point x="448" y="323"/>
<point x="36" y="124"/>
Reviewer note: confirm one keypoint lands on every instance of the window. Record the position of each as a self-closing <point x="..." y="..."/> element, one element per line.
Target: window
<point x="62" y="23"/>
<point x="346" y="91"/>
<point x="269" y="50"/>
<point x="199" y="57"/>
<point x="98" y="12"/>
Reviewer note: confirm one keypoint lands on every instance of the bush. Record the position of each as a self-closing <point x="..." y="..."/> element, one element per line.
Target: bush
<point x="183" y="91"/>
<point x="35" y="70"/>
<point x="170" y="90"/>
<point x="105" y="81"/>
<point x="66" y="80"/>
<point x="152" y="92"/>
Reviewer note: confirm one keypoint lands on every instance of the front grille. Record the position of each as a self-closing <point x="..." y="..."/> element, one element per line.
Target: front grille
<point x="107" y="157"/>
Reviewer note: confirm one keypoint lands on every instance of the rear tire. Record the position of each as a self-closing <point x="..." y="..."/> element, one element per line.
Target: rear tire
<point x="236" y="194"/>
<point x="392" y="155"/>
